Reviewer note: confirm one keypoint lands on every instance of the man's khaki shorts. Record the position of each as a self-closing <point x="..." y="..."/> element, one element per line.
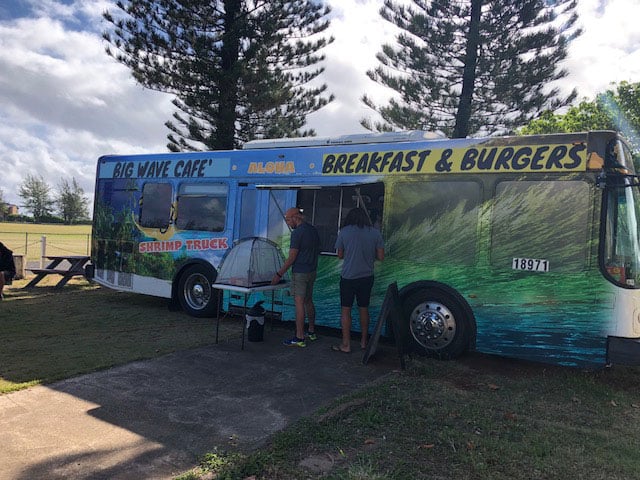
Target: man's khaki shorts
<point x="302" y="284"/>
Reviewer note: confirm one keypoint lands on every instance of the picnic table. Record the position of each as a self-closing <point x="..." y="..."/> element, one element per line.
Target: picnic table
<point x="73" y="266"/>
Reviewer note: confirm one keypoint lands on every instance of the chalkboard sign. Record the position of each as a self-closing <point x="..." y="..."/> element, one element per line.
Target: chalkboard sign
<point x="391" y="315"/>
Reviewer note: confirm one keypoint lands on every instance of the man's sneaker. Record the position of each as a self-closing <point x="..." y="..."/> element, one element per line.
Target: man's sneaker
<point x="311" y="336"/>
<point x="294" y="342"/>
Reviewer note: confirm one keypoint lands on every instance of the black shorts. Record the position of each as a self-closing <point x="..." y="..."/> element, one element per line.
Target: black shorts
<point x="8" y="277"/>
<point x="358" y="288"/>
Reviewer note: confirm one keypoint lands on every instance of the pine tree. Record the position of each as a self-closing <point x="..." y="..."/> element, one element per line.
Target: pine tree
<point x="72" y="202"/>
<point x="468" y="67"/>
<point x="239" y="69"/>
<point x="36" y="194"/>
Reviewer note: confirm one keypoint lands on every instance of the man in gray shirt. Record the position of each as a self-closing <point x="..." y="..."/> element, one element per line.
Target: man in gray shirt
<point x="303" y="260"/>
<point x="359" y="245"/>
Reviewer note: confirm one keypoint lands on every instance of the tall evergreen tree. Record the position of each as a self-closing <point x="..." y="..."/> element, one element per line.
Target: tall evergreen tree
<point x="36" y="195"/>
<point x="72" y="202"/>
<point x="469" y="67"/>
<point x="239" y="69"/>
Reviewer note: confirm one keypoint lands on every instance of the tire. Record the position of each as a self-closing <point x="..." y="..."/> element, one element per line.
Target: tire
<point x="439" y="325"/>
<point x="195" y="293"/>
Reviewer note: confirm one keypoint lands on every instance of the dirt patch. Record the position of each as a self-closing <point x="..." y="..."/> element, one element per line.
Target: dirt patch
<point x="318" y="463"/>
<point x="509" y="367"/>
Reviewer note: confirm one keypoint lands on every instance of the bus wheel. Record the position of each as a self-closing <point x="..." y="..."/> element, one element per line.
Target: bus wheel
<point x="438" y="326"/>
<point x="196" y="296"/>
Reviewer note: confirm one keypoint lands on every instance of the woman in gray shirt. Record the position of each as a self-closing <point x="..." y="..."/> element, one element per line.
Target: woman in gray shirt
<point x="359" y="245"/>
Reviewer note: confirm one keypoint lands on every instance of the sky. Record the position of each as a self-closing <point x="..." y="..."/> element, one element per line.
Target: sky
<point x="64" y="102"/>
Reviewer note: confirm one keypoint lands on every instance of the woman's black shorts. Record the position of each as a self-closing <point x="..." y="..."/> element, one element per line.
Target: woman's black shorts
<point x="358" y="288"/>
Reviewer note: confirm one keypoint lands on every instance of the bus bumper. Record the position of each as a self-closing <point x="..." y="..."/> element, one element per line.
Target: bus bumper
<point x="623" y="351"/>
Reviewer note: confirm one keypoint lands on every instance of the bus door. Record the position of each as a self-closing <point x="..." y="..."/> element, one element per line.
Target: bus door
<point x="249" y="208"/>
<point x="261" y="211"/>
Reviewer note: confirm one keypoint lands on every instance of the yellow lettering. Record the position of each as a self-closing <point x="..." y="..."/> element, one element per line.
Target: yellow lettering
<point x="272" y="167"/>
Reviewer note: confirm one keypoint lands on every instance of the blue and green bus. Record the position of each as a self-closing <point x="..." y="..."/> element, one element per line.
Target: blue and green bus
<point x="522" y="246"/>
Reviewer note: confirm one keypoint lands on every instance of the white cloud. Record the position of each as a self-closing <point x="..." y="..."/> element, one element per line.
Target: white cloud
<point x="64" y="102"/>
<point x="608" y="49"/>
<point x="359" y="33"/>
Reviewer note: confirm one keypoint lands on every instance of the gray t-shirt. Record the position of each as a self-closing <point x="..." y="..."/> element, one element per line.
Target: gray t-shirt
<point x="359" y="245"/>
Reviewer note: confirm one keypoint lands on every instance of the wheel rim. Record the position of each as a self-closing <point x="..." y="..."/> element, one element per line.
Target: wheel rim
<point x="432" y="325"/>
<point x="197" y="291"/>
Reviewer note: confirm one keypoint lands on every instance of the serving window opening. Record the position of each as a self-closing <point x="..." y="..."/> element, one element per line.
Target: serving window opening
<point x="326" y="207"/>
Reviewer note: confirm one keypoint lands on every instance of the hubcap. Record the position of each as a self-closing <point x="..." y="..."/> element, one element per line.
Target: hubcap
<point x="432" y="325"/>
<point x="197" y="291"/>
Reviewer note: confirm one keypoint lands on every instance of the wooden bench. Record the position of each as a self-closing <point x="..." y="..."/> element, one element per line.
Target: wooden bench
<point x="76" y="268"/>
<point x="53" y="270"/>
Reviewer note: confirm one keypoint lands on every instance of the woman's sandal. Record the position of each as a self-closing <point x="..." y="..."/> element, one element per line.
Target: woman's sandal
<point x="337" y="348"/>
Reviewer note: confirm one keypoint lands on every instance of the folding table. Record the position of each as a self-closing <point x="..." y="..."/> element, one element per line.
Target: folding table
<point x="246" y="291"/>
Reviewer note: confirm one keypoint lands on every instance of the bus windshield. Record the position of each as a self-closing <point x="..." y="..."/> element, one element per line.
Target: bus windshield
<point x="622" y="234"/>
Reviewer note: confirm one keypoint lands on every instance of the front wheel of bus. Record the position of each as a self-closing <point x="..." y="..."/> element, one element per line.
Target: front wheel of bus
<point x="438" y="325"/>
<point x="195" y="293"/>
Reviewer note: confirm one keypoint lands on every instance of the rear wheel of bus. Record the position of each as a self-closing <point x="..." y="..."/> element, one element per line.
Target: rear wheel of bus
<point x="440" y="322"/>
<point x="195" y="293"/>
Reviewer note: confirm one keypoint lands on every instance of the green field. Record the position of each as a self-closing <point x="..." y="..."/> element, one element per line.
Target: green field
<point x="26" y="239"/>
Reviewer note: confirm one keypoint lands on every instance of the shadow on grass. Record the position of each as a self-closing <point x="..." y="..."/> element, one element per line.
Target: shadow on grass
<point x="50" y="334"/>
<point x="155" y="419"/>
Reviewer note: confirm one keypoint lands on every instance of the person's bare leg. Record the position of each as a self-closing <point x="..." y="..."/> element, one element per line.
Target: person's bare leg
<point x="299" y="316"/>
<point x="310" y="308"/>
<point x="345" y="321"/>
<point x="364" y="325"/>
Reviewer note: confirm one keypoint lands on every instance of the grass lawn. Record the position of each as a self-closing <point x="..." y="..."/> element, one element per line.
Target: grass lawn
<point x="476" y="418"/>
<point x="479" y="417"/>
<point x="49" y="334"/>
<point x="25" y="239"/>
<point x="45" y="228"/>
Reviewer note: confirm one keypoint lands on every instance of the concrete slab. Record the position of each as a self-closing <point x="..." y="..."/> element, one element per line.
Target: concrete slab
<point x="154" y="419"/>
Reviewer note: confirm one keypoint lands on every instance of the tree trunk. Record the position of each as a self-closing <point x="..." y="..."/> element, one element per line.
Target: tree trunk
<point x="461" y="129"/>
<point x="228" y="93"/>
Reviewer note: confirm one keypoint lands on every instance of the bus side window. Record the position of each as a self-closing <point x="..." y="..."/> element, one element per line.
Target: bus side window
<point x="155" y="209"/>
<point x="542" y="220"/>
<point x="202" y="206"/>
<point x="434" y="222"/>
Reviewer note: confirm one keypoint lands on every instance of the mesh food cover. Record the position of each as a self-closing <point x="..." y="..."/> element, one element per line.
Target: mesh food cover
<point x="252" y="262"/>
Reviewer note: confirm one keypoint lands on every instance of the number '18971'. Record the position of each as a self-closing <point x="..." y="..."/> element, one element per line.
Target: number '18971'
<point x="530" y="264"/>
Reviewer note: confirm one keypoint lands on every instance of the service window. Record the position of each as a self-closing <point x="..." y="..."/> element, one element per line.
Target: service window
<point x="326" y="208"/>
<point x="541" y="225"/>
<point x="155" y="209"/>
<point x="434" y="223"/>
<point x="202" y="206"/>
